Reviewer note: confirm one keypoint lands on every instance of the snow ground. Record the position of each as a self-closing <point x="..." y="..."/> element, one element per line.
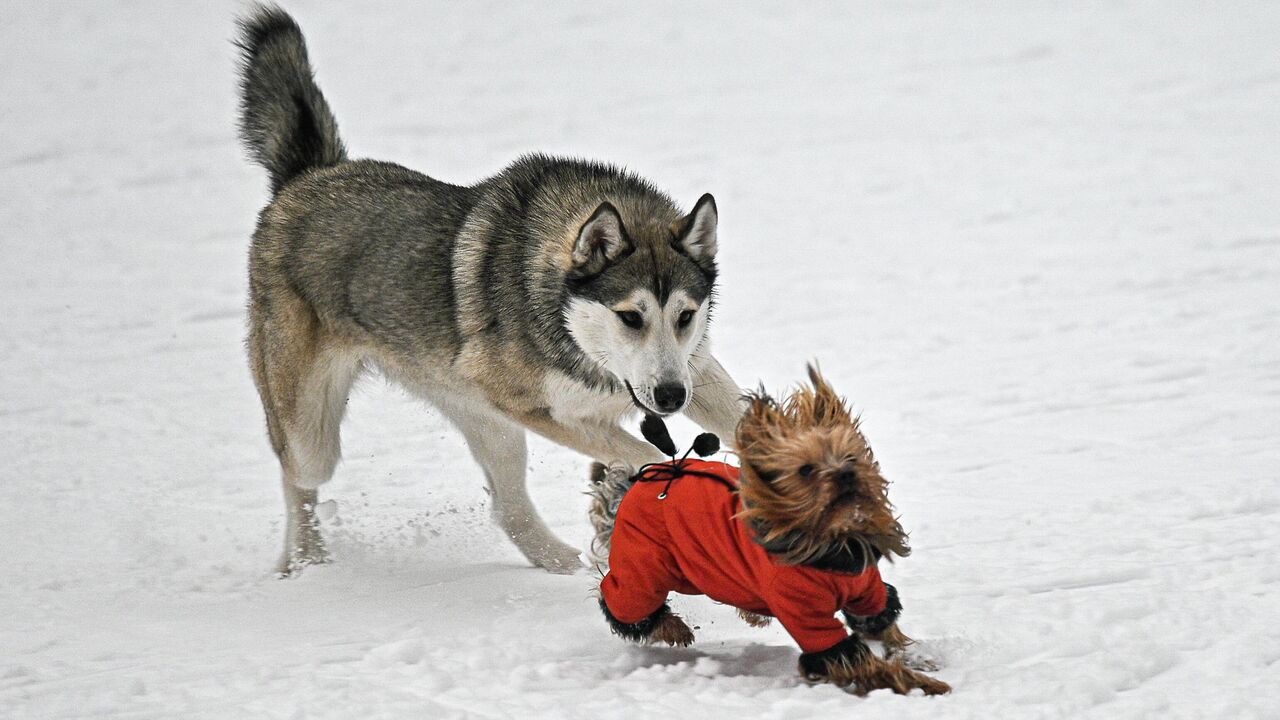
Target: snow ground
<point x="1039" y="247"/>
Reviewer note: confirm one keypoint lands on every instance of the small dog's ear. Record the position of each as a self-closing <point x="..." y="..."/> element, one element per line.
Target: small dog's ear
<point x="695" y="234"/>
<point x="761" y="422"/>
<point x="602" y="240"/>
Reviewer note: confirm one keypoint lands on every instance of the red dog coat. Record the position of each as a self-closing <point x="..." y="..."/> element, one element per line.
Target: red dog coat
<point x="691" y="542"/>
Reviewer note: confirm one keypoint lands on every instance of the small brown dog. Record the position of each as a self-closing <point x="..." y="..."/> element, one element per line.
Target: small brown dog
<point x="795" y="534"/>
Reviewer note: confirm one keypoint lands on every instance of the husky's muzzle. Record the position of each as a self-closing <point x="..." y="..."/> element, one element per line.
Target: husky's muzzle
<point x="636" y="400"/>
<point x="669" y="398"/>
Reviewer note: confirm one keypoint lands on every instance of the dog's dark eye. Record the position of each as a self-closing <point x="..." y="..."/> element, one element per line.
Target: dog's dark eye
<point x="684" y="319"/>
<point x="631" y="319"/>
<point x="806" y="470"/>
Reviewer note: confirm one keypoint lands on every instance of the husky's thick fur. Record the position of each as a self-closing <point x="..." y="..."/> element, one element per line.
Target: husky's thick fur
<point x="557" y="296"/>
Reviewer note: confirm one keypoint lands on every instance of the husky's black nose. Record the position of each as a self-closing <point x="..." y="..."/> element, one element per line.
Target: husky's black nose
<point x="670" y="398"/>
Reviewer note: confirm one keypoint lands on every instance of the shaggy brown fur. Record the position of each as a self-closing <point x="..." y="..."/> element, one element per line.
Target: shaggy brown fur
<point x="873" y="673"/>
<point x="894" y="640"/>
<point x="811" y="487"/>
<point x="753" y="619"/>
<point x="808" y="474"/>
<point x="673" y="631"/>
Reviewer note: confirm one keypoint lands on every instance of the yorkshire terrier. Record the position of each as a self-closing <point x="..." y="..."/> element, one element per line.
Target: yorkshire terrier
<point x="795" y="534"/>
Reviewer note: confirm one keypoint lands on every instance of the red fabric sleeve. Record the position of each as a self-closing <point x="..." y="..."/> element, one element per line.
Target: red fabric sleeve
<point x="629" y="598"/>
<point x="807" y="609"/>
<point x="869" y="595"/>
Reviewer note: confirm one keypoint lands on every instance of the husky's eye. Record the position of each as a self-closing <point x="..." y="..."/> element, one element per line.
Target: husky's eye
<point x="685" y="317"/>
<point x="631" y="318"/>
<point x="805" y="471"/>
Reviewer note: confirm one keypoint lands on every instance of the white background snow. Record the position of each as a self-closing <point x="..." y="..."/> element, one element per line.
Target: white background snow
<point x="1039" y="248"/>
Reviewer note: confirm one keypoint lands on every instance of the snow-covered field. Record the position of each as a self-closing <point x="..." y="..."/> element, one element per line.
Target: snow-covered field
<point x="1039" y="248"/>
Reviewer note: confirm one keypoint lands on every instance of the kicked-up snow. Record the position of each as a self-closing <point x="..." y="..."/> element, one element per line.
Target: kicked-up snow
<point x="1038" y="248"/>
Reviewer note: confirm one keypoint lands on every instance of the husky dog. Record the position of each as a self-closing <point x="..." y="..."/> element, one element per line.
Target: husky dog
<point x="557" y="296"/>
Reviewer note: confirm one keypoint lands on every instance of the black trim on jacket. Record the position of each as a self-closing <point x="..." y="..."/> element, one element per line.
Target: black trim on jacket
<point x="637" y="631"/>
<point x="873" y="625"/>
<point x="850" y="650"/>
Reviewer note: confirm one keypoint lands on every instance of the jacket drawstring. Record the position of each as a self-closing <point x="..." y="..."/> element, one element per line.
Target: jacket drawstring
<point x="670" y="471"/>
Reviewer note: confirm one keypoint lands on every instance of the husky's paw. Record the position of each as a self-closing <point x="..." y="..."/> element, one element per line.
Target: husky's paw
<point x="293" y="561"/>
<point x="561" y="560"/>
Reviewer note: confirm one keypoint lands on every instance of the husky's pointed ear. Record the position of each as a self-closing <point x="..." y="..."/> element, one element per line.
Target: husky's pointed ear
<point x="601" y="240"/>
<point x="696" y="232"/>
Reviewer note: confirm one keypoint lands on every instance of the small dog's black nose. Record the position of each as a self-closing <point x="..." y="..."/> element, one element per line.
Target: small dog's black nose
<point x="846" y="479"/>
<point x="669" y="397"/>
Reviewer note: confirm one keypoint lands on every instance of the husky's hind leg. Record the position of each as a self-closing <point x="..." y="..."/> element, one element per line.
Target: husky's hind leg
<point x="498" y="445"/>
<point x="303" y="379"/>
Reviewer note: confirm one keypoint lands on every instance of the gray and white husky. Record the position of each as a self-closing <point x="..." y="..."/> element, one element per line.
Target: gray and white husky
<point x="558" y="296"/>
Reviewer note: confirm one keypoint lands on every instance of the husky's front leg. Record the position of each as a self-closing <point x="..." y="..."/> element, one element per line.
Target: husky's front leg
<point x="718" y="402"/>
<point x="605" y="442"/>
<point x="498" y="445"/>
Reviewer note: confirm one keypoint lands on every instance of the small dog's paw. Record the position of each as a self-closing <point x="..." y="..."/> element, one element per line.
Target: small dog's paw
<point x="933" y="686"/>
<point x="882" y="675"/>
<point x="754" y="619"/>
<point x="672" y="631"/>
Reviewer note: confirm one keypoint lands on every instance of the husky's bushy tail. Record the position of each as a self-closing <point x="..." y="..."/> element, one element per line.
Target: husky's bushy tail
<point x="608" y="485"/>
<point x="285" y="123"/>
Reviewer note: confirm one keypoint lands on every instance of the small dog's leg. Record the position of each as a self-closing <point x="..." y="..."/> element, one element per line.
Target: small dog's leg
<point x="851" y="664"/>
<point x="672" y="631"/>
<point x="874" y="625"/>
<point x="880" y="674"/>
<point x="663" y="626"/>
<point x="894" y="640"/>
<point x="754" y="619"/>
<point x="884" y="629"/>
<point x="895" y="648"/>
<point x="717" y="403"/>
